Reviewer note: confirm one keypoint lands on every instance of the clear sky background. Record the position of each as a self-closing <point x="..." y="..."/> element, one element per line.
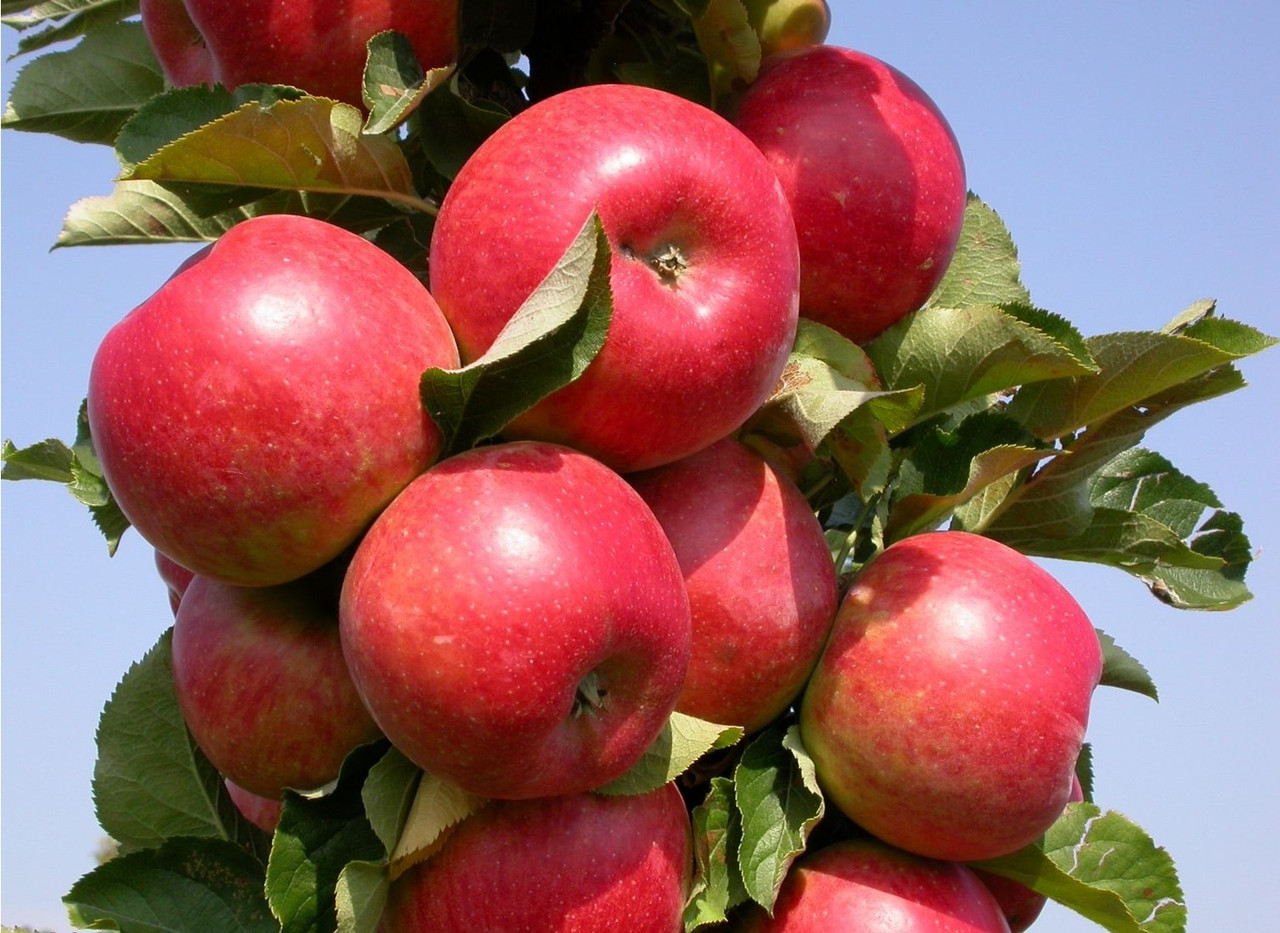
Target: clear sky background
<point x="1134" y="151"/>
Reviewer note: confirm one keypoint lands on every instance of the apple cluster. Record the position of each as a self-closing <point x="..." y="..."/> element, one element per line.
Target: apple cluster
<point x="522" y="618"/>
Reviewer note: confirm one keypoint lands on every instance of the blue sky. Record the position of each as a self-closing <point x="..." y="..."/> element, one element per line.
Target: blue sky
<point x="1131" y="149"/>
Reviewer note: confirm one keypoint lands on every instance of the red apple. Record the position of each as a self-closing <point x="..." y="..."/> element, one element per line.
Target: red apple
<point x="261" y="682"/>
<point x="181" y="50"/>
<point x="875" y="180"/>
<point x="948" y="709"/>
<point x="317" y="45"/>
<point x="255" y="413"/>
<point x="867" y="886"/>
<point x="761" y="581"/>
<point x="262" y="812"/>
<point x="1020" y="904"/>
<point x="788" y="24"/>
<point x="704" y="274"/>
<point x="582" y="863"/>
<point x="175" y="577"/>
<point x="516" y="622"/>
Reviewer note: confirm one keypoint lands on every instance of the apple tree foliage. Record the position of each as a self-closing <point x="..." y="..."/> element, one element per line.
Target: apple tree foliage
<point x="981" y="411"/>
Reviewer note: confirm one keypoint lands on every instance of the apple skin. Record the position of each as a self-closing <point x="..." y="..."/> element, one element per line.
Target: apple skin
<point x="175" y="577"/>
<point x="788" y="24"/>
<point x="704" y="274"/>
<point x="317" y="45"/>
<point x="494" y="586"/>
<point x="263" y="686"/>
<point x="874" y="176"/>
<point x="180" y="49"/>
<point x="867" y="886"/>
<point x="949" y="707"/>
<point x="583" y="863"/>
<point x="760" y="577"/>
<point x="262" y="812"/>
<point x="258" y="411"/>
<point x="1020" y="904"/>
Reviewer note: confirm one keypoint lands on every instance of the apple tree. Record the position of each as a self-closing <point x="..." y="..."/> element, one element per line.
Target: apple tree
<point x="598" y="456"/>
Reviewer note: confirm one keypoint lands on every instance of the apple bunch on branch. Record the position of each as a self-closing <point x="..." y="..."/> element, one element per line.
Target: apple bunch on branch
<point x="596" y="458"/>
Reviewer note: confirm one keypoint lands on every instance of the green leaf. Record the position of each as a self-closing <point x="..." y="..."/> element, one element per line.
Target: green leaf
<point x="1106" y="868"/>
<point x="394" y="82"/>
<point x="1138" y="370"/>
<point x="947" y="465"/>
<point x="683" y="740"/>
<point x="452" y="127"/>
<point x="388" y="793"/>
<point x="547" y="344"/>
<point x="360" y="895"/>
<point x="314" y="842"/>
<point x="729" y="44"/>
<point x="66" y="20"/>
<point x="961" y="354"/>
<point x="185" y="884"/>
<point x="985" y="269"/>
<point x="438" y="805"/>
<point x="717" y="880"/>
<point x="150" y="781"/>
<point x="168" y="117"/>
<point x="311" y="144"/>
<point x="147" y="212"/>
<point x="1136" y="512"/>
<point x="86" y="93"/>
<point x="1123" y="670"/>
<point x="76" y="467"/>
<point x="776" y="791"/>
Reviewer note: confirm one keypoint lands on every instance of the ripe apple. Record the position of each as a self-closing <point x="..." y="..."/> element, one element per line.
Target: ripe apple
<point x="316" y="45"/>
<point x="262" y="812"/>
<point x="874" y="176"/>
<point x="788" y="24"/>
<point x="516" y="622"/>
<point x="261" y="682"/>
<point x="704" y="271"/>
<point x="1020" y="905"/>
<point x="948" y="709"/>
<point x="175" y="578"/>
<point x="761" y="581"/>
<point x="255" y="413"/>
<point x="867" y="886"/>
<point x="583" y="863"/>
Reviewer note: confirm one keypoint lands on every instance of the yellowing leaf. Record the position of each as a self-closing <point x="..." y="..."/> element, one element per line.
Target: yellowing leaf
<point x="438" y="806"/>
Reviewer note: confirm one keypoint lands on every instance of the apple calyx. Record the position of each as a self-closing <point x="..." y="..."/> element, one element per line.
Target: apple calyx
<point x="589" y="698"/>
<point x="668" y="262"/>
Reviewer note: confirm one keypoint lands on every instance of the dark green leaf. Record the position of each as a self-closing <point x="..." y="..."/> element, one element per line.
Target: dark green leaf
<point x="776" y="791"/>
<point x="151" y="782"/>
<point x="86" y="93"/>
<point x="1123" y="670"/>
<point x="547" y="344"/>
<point x="452" y="127"/>
<point x="315" y="841"/>
<point x="394" y="82"/>
<point x="207" y="885"/>
<point x="985" y="269"/>
<point x="168" y="117"/>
